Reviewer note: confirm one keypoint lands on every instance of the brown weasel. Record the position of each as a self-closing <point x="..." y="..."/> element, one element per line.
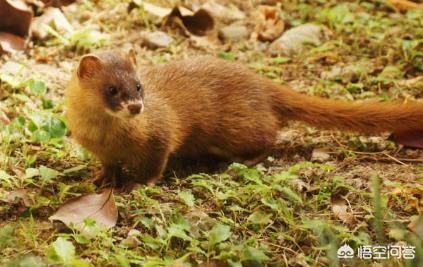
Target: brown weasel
<point x="200" y="106"/>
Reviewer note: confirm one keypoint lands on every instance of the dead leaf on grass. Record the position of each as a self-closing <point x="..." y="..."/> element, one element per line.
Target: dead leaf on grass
<point x="270" y="25"/>
<point x="11" y="43"/>
<point x="15" y="17"/>
<point x="154" y="10"/>
<point x="411" y="195"/>
<point x="408" y="138"/>
<point x="99" y="207"/>
<point x="199" y="23"/>
<point x="340" y="210"/>
<point x="15" y="196"/>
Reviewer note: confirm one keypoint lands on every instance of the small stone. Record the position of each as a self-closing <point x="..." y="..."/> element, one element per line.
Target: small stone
<point x="222" y="13"/>
<point x="293" y="40"/>
<point x="233" y="33"/>
<point x="319" y="155"/>
<point x="157" y="40"/>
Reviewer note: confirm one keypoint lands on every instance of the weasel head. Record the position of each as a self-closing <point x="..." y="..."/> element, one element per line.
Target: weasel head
<point x="110" y="81"/>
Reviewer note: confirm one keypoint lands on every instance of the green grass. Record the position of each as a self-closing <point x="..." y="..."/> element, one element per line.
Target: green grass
<point x="278" y="213"/>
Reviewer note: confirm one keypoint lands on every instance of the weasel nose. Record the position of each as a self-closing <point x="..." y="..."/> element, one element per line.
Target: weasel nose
<point x="135" y="108"/>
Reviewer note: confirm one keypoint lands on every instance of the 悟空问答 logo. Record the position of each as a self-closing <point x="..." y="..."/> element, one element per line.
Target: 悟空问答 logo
<point x="345" y="252"/>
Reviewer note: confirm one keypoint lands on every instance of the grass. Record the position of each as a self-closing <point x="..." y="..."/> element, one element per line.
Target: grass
<point x="279" y="213"/>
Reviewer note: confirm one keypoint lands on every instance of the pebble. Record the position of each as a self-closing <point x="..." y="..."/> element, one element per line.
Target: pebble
<point x="319" y="155"/>
<point x="293" y="40"/>
<point x="157" y="40"/>
<point x="233" y="33"/>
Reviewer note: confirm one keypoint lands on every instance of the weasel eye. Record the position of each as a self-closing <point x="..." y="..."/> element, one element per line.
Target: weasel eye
<point x="138" y="87"/>
<point x="112" y="90"/>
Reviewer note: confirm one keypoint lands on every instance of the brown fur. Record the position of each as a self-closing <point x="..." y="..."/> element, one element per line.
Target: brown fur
<point x="208" y="106"/>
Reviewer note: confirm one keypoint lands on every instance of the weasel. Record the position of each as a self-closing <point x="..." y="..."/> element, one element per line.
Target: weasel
<point x="136" y="120"/>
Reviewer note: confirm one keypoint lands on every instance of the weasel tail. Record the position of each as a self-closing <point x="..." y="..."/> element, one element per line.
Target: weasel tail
<point x="365" y="117"/>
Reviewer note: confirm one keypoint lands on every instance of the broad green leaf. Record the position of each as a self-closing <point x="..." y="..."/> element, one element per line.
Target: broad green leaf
<point x="64" y="250"/>
<point x="270" y="202"/>
<point x="87" y="38"/>
<point x="219" y="233"/>
<point x="37" y="87"/>
<point x="41" y="136"/>
<point x="289" y="193"/>
<point x="187" y="197"/>
<point x="56" y="127"/>
<point x="260" y="217"/>
<point x="48" y="173"/>
<point x="31" y="172"/>
<point x="176" y="230"/>
<point x="7" y="236"/>
<point x="253" y="254"/>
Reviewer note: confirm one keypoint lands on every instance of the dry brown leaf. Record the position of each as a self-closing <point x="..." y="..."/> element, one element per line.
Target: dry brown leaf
<point x="411" y="195"/>
<point x="15" y="196"/>
<point x="15" y="17"/>
<point x="340" y="210"/>
<point x="270" y="25"/>
<point x="99" y="207"/>
<point x="199" y="23"/>
<point x="11" y="43"/>
<point x="157" y="11"/>
<point x="408" y="138"/>
<point x="52" y="17"/>
<point x="404" y="5"/>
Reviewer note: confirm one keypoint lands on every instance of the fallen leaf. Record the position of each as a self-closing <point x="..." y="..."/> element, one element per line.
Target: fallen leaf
<point x="269" y="24"/>
<point x="15" y="17"/>
<point x="199" y="23"/>
<point x="99" y="207"/>
<point x="340" y="210"/>
<point x="408" y="138"/>
<point x="404" y="5"/>
<point x="15" y="196"/>
<point x="52" y="17"/>
<point x="11" y="43"/>
<point x="157" y="11"/>
<point x="411" y="195"/>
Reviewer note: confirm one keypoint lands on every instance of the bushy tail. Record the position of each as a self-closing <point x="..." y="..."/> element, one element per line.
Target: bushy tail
<point x="365" y="117"/>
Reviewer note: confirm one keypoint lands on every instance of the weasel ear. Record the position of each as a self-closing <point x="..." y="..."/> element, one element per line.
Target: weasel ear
<point x="132" y="56"/>
<point x="88" y="66"/>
